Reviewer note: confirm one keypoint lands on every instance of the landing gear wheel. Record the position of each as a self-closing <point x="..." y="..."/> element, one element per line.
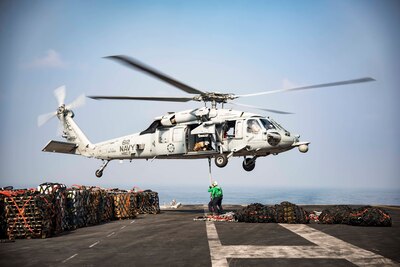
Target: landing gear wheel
<point x="249" y="164"/>
<point x="99" y="173"/>
<point x="221" y="160"/>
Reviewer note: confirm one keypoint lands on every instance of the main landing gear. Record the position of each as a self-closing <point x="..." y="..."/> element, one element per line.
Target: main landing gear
<point x="99" y="172"/>
<point x="249" y="164"/>
<point x="221" y="160"/>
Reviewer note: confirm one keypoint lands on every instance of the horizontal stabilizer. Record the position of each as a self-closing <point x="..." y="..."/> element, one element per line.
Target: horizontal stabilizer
<point x="61" y="147"/>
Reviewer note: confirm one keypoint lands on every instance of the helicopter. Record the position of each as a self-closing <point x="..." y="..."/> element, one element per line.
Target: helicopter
<point x="200" y="133"/>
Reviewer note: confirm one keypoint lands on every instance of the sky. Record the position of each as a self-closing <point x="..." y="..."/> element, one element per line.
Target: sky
<point x="237" y="47"/>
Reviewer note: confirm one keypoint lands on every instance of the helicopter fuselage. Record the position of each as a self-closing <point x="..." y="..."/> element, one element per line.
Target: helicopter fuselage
<point x="190" y="134"/>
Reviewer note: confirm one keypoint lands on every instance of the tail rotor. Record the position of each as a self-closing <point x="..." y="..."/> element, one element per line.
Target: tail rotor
<point x="60" y="94"/>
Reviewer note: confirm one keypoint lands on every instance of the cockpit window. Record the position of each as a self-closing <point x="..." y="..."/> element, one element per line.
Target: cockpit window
<point x="277" y="125"/>
<point x="267" y="124"/>
<point x="253" y="126"/>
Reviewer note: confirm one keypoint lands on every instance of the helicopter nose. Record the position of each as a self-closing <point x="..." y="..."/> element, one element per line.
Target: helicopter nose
<point x="287" y="141"/>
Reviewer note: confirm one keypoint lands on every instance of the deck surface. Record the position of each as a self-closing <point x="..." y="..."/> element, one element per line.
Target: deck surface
<point x="173" y="238"/>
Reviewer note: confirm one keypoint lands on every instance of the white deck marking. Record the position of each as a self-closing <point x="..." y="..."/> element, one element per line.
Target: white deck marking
<point x="342" y="249"/>
<point x="218" y="258"/>
<point x="64" y="261"/>
<point x="326" y="247"/>
<point x="111" y="234"/>
<point x="132" y="221"/>
<point x="94" y="244"/>
<point x="123" y="227"/>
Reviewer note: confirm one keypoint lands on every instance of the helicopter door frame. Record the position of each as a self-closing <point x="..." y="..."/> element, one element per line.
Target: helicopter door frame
<point x="239" y="129"/>
<point x="178" y="142"/>
<point x="232" y="143"/>
<point x="163" y="138"/>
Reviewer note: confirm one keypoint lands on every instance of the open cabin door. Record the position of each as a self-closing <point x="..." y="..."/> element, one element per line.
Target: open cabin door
<point x="201" y="138"/>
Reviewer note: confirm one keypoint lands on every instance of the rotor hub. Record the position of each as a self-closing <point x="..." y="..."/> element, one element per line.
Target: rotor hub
<point x="214" y="97"/>
<point x="61" y="109"/>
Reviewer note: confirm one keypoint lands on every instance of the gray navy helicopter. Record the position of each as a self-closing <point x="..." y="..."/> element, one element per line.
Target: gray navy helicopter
<point x="205" y="132"/>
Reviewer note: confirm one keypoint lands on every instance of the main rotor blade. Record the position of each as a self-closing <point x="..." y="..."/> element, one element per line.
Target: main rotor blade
<point x="260" y="108"/>
<point x="133" y="63"/>
<point x="361" y="80"/>
<point x="146" y="98"/>
<point x="59" y="93"/>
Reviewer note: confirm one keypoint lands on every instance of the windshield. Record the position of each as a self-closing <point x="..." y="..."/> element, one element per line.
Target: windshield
<point x="277" y="125"/>
<point x="267" y="124"/>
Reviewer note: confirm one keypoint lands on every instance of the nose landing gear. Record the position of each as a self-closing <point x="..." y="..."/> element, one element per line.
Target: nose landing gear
<point x="249" y="164"/>
<point x="99" y="172"/>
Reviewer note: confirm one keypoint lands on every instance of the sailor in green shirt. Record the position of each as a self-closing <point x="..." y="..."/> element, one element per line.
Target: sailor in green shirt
<point x="215" y="205"/>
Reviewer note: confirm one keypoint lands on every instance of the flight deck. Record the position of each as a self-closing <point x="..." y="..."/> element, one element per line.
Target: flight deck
<point x="174" y="238"/>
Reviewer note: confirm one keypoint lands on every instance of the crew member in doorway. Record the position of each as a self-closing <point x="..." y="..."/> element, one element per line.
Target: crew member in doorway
<point x="215" y="204"/>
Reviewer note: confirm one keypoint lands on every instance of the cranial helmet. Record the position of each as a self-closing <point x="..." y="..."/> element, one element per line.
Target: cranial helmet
<point x="215" y="183"/>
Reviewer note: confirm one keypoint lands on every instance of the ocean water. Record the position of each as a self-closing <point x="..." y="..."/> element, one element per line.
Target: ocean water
<point x="246" y="195"/>
<point x="242" y="195"/>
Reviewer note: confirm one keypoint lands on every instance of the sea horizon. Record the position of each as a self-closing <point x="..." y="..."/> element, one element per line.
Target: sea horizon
<point x="275" y="195"/>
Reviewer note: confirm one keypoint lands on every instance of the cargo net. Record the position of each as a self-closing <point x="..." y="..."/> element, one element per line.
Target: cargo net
<point x="363" y="216"/>
<point x="54" y="208"/>
<point x="285" y="212"/>
<point x="26" y="214"/>
<point x="88" y="206"/>
<point x="54" y="194"/>
<point x="3" y="222"/>
<point x="147" y="202"/>
<point x="123" y="203"/>
<point x="128" y="204"/>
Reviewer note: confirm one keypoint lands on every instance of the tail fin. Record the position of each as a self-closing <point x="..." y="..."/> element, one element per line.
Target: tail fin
<point x="78" y="142"/>
<point x="72" y="132"/>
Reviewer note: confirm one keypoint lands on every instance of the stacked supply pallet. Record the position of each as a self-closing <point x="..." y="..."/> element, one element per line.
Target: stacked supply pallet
<point x="27" y="214"/>
<point x="147" y="202"/>
<point x="54" y="208"/>
<point x="3" y="222"/>
<point x="133" y="203"/>
<point x="285" y="212"/>
<point x="122" y="205"/>
<point x="288" y="212"/>
<point x="362" y="216"/>
<point x="79" y="209"/>
<point x="55" y="194"/>
<point x="107" y="206"/>
<point x="73" y="208"/>
<point x="93" y="207"/>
